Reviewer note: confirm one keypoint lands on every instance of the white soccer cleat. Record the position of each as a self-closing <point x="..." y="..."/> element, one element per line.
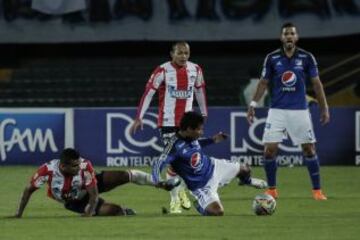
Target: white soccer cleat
<point x="258" y="183"/>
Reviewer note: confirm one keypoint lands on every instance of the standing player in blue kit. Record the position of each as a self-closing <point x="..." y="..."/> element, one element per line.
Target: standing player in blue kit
<point x="285" y="72"/>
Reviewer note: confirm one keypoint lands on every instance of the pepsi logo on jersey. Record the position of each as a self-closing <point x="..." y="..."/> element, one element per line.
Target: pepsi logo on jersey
<point x="195" y="161"/>
<point x="288" y="78"/>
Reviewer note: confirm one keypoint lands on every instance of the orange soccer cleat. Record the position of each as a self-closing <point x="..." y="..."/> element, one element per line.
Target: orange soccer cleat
<point x="273" y="192"/>
<point x="318" y="195"/>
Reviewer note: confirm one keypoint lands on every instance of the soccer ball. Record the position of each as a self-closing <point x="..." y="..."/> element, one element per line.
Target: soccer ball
<point x="264" y="204"/>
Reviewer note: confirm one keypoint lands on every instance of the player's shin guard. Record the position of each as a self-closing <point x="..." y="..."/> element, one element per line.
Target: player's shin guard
<point x="270" y="167"/>
<point x="140" y="177"/>
<point x="313" y="167"/>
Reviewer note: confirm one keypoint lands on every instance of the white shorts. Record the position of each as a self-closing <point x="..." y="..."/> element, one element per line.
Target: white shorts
<point x="296" y="123"/>
<point x="224" y="172"/>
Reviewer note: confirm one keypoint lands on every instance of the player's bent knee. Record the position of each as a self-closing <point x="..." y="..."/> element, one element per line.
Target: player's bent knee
<point x="269" y="153"/>
<point x="309" y="150"/>
<point x="270" y="150"/>
<point x="215" y="209"/>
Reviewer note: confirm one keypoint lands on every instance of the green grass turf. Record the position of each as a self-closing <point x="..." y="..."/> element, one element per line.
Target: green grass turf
<point x="297" y="215"/>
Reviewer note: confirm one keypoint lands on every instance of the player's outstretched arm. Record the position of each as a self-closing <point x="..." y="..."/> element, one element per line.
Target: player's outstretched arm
<point x="219" y="137"/>
<point x="260" y="90"/>
<point x="25" y="197"/>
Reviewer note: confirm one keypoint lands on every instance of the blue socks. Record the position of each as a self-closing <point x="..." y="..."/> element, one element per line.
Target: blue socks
<point x="270" y="166"/>
<point x="313" y="167"/>
<point x="312" y="164"/>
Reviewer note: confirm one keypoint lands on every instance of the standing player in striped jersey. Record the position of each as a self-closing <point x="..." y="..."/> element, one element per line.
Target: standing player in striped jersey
<point x="286" y="70"/>
<point x="72" y="181"/>
<point x="176" y="82"/>
<point x="202" y="174"/>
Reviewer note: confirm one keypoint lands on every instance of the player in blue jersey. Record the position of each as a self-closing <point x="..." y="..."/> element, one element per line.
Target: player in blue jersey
<point x="203" y="175"/>
<point x="285" y="72"/>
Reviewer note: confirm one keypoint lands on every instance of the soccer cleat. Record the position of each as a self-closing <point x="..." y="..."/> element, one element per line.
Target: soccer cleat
<point x="175" y="207"/>
<point x="129" y="212"/>
<point x="255" y="182"/>
<point x="273" y="192"/>
<point x="318" y="195"/>
<point x="246" y="179"/>
<point x="258" y="183"/>
<point x="184" y="200"/>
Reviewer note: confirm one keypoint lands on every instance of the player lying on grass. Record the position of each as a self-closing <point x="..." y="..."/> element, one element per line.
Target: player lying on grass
<point x="203" y="175"/>
<point x="72" y="181"/>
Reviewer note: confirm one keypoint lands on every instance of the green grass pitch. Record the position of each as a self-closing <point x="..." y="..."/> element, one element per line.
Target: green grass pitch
<point x="297" y="216"/>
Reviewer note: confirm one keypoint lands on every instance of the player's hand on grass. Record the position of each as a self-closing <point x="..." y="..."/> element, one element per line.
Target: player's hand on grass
<point x="250" y="115"/>
<point x="136" y="125"/>
<point x="219" y="137"/>
<point x="169" y="184"/>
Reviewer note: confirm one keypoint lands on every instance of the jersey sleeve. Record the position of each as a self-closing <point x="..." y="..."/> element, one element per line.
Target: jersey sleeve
<point x="156" y="78"/>
<point x="166" y="157"/>
<point x="267" y="72"/>
<point x="205" y="141"/>
<point x="200" y="92"/>
<point x="199" y="82"/>
<point x="40" y="177"/>
<point x="312" y="69"/>
<point x="154" y="82"/>
<point x="89" y="175"/>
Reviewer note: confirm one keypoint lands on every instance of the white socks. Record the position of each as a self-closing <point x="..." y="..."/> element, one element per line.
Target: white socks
<point x="140" y="177"/>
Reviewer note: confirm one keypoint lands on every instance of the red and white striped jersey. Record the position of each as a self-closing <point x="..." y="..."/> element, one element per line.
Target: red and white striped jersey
<point x="176" y="87"/>
<point x="63" y="188"/>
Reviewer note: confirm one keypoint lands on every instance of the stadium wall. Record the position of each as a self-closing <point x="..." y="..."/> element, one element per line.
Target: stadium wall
<point x="158" y="20"/>
<point x="32" y="136"/>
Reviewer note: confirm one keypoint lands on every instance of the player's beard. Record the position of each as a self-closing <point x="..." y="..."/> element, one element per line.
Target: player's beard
<point x="289" y="46"/>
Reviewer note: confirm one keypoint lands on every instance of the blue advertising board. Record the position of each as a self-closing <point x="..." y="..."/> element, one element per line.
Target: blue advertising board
<point x="33" y="136"/>
<point x="103" y="136"/>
